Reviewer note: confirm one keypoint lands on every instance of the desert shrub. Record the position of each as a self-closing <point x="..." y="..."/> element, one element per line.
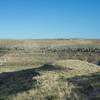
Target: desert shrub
<point x="52" y="97"/>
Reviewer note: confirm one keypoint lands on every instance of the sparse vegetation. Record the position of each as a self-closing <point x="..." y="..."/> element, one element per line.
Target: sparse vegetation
<point x="50" y="70"/>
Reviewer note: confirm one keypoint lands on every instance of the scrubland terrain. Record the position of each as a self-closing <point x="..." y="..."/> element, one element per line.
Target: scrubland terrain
<point x="50" y="69"/>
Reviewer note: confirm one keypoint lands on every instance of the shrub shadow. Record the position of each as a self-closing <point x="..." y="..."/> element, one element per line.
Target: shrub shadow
<point x="15" y="82"/>
<point x="50" y="67"/>
<point x="20" y="81"/>
<point x="88" y="85"/>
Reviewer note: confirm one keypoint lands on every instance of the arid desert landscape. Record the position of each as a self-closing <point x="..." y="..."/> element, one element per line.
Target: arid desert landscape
<point x="50" y="69"/>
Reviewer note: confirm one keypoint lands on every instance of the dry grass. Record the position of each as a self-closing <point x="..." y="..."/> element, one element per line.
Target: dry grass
<point x="32" y="74"/>
<point x="47" y="42"/>
<point x="51" y="83"/>
<point x="79" y="67"/>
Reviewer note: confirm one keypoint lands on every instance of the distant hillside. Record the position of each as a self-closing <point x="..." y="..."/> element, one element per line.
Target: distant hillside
<point x="51" y="42"/>
<point x="33" y="52"/>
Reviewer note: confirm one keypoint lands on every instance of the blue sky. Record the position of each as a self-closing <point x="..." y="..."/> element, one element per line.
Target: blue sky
<point x="49" y="19"/>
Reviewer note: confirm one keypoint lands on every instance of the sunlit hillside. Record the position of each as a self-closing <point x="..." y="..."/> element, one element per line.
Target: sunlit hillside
<point x="49" y="69"/>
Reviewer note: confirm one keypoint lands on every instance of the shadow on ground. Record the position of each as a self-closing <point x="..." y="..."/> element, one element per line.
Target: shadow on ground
<point x="20" y="81"/>
<point x="88" y="85"/>
<point x="15" y="82"/>
<point x="50" y="67"/>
